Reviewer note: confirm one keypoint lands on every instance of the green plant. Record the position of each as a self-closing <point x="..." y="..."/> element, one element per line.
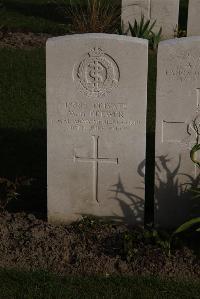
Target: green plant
<point x="3" y="31"/>
<point x="129" y="245"/>
<point x="144" y="29"/>
<point x="8" y="192"/>
<point x="179" y="32"/>
<point x="161" y="239"/>
<point x="196" y="147"/>
<point x="87" y="223"/>
<point x="155" y="39"/>
<point x="93" y="16"/>
<point x="194" y="223"/>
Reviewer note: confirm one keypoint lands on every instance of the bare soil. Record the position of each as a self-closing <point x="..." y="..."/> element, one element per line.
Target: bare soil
<point x="22" y="40"/>
<point x="87" y="248"/>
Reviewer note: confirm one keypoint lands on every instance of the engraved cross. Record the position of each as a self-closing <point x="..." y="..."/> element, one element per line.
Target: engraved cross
<point x="95" y="160"/>
<point x="182" y="127"/>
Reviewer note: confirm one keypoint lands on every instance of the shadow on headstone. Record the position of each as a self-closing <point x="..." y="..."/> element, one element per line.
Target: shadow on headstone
<point x="176" y="200"/>
<point x="131" y="205"/>
<point x="131" y="211"/>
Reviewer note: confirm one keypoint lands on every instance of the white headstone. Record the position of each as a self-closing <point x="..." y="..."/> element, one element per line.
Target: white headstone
<point x="178" y="100"/>
<point x="165" y="12"/>
<point x="96" y="111"/>
<point x="193" y="27"/>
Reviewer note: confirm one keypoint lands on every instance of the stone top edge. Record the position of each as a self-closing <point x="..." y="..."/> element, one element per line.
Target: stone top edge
<point x="125" y="2"/>
<point x="182" y="40"/>
<point x="98" y="36"/>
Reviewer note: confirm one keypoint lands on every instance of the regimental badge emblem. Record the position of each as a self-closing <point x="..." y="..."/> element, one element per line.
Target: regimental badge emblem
<point x="97" y="74"/>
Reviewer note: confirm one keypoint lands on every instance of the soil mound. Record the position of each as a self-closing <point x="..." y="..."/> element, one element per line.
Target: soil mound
<point x="87" y="248"/>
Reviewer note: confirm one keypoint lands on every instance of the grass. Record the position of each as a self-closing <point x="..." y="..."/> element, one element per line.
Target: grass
<point x="49" y="16"/>
<point x="23" y="125"/>
<point x="22" y="86"/>
<point x="15" y="21"/>
<point x="35" y="16"/>
<point x="98" y="16"/>
<point x="41" y="285"/>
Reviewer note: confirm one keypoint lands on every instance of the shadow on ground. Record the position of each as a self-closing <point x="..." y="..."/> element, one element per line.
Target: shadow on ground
<point x="23" y="156"/>
<point x="51" y="11"/>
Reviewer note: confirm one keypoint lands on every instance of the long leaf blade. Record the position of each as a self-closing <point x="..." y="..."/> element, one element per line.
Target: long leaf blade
<point x="185" y="226"/>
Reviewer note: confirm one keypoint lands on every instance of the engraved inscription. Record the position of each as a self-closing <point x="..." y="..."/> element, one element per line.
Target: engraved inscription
<point x="95" y="116"/>
<point x="97" y="74"/>
<point x="185" y="67"/>
<point x="95" y="160"/>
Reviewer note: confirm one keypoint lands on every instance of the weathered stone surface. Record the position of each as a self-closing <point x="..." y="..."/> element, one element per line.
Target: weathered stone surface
<point x="178" y="100"/>
<point x="165" y="12"/>
<point x="96" y="112"/>
<point x="193" y="27"/>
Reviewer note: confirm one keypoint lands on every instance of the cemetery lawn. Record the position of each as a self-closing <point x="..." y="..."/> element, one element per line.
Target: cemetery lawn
<point x="41" y="285"/>
<point x="23" y="124"/>
<point x="47" y="15"/>
<point x="33" y="15"/>
<point x="22" y="81"/>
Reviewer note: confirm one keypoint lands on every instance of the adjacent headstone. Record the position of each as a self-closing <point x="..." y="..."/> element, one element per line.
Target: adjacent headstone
<point x="165" y="12"/>
<point x="193" y="27"/>
<point x="178" y="107"/>
<point x="96" y="112"/>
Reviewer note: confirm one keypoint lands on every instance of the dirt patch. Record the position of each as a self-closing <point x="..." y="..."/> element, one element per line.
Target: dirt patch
<point x="22" y="40"/>
<point x="31" y="244"/>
